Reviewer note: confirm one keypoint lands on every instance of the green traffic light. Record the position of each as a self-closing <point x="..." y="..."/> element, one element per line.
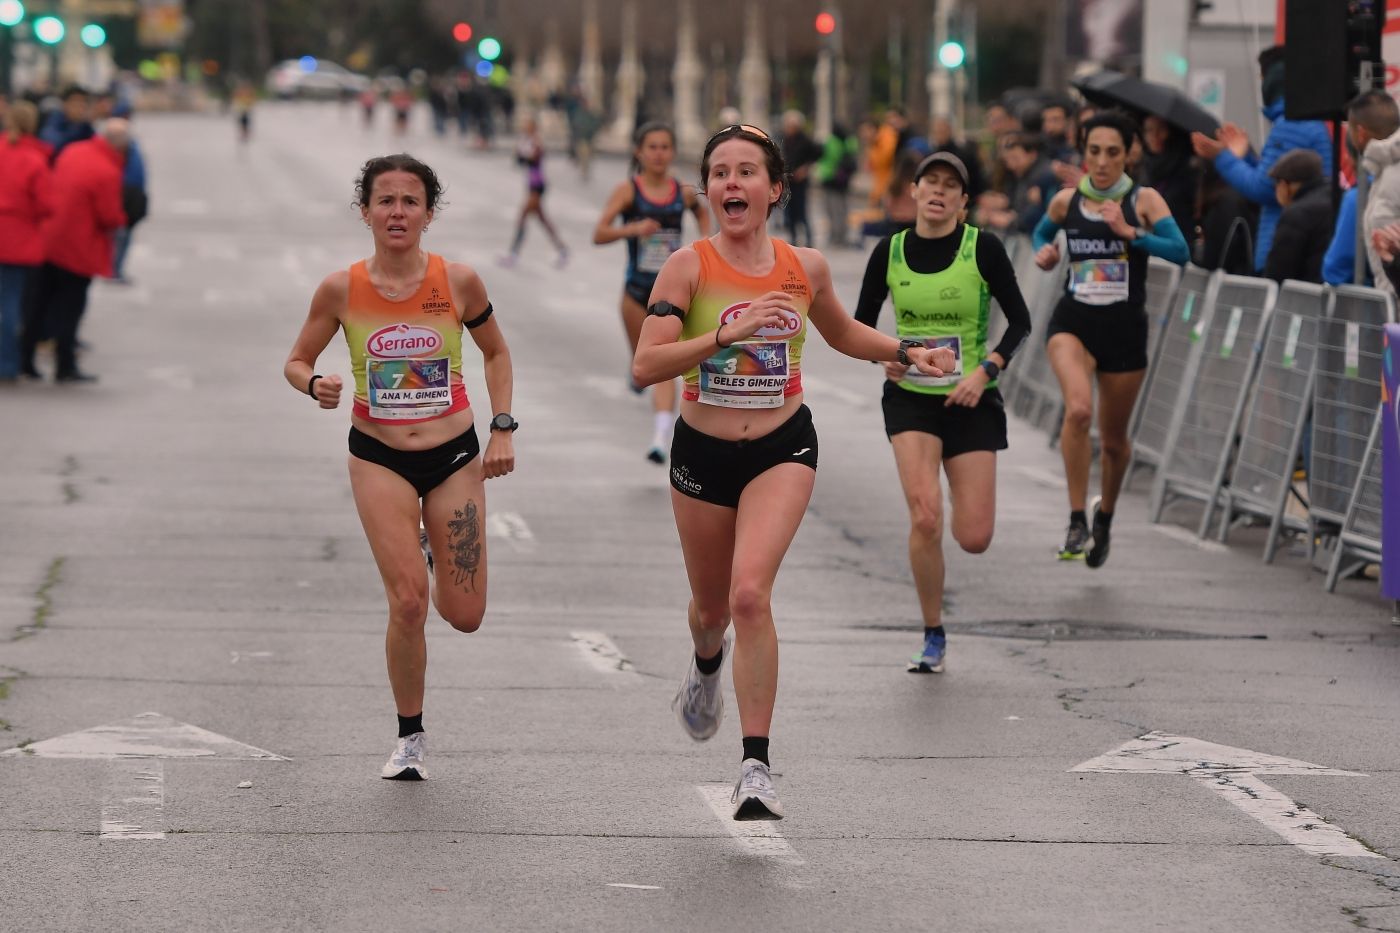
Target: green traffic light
<point x="49" y="30"/>
<point x="489" y="49"/>
<point x="93" y="36"/>
<point x="952" y="54"/>
<point x="11" y="12"/>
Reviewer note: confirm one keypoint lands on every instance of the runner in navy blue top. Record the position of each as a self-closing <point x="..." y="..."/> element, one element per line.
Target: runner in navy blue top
<point x="651" y="206"/>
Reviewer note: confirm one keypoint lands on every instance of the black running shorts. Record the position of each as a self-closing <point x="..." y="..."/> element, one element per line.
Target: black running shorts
<point x="716" y="471"/>
<point x="423" y="469"/>
<point x="1114" y="335"/>
<point x="961" y="429"/>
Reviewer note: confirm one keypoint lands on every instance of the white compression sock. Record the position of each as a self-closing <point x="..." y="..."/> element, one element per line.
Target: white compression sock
<point x="661" y="431"/>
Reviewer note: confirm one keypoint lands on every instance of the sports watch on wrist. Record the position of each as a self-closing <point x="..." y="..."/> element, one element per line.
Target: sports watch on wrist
<point x="990" y="368"/>
<point x="504" y="422"/>
<point x="902" y="354"/>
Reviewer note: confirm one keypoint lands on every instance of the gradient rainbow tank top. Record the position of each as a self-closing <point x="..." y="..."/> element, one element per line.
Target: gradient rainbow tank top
<point x="406" y="356"/>
<point x="759" y="372"/>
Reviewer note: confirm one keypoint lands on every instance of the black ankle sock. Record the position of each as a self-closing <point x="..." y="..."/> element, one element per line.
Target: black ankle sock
<point x="1103" y="519"/>
<point x="756" y="746"/>
<point x="934" y="630"/>
<point x="1077" y="517"/>
<point x="709" y="666"/>
<point x="410" y="724"/>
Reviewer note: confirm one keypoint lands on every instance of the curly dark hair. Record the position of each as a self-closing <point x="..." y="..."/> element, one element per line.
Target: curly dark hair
<point x="399" y="162"/>
<point x="773" y="157"/>
<point x="1123" y="124"/>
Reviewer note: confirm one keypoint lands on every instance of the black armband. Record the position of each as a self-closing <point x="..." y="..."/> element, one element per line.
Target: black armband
<point x="481" y="318"/>
<point x="665" y="309"/>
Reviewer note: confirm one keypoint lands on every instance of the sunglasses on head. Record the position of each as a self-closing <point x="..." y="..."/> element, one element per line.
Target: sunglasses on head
<point x="743" y="128"/>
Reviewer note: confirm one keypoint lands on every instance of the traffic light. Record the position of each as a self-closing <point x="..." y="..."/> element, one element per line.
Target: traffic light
<point x="11" y="12"/>
<point x="826" y="23"/>
<point x="951" y="54"/>
<point x="93" y="36"/>
<point x="462" y="32"/>
<point x="49" y="30"/>
<point x="489" y="49"/>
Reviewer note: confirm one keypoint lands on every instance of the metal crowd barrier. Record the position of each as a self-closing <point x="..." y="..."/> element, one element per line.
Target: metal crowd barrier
<point x="1162" y="279"/>
<point x="1277" y="415"/>
<point x="1018" y="249"/>
<point x="1349" y="364"/>
<point x="1213" y="397"/>
<point x="1360" y="537"/>
<point x="1037" y="391"/>
<point x="1191" y="308"/>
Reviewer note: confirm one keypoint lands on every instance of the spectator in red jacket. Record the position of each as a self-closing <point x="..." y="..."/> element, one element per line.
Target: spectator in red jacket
<point x="87" y="181"/>
<point x="25" y="200"/>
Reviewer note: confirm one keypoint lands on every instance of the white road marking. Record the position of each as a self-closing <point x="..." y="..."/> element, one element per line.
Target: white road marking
<point x="634" y="887"/>
<point x="599" y="651"/>
<point x="757" y="837"/>
<point x="241" y="655"/>
<point x="1042" y="476"/>
<point x="133" y="805"/>
<point x="1185" y="536"/>
<point x="1233" y="773"/>
<point x="512" y="527"/>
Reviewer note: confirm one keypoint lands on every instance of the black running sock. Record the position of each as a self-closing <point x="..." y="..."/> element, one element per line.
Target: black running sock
<point x="1103" y="519"/>
<point x="710" y="666"/>
<point x="410" y="724"/>
<point x="756" y="746"/>
<point x="1078" y="517"/>
<point x="934" y="630"/>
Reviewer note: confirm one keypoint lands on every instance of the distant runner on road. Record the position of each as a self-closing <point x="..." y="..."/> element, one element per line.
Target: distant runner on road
<point x="529" y="154"/>
<point x="415" y="465"/>
<point x="651" y="206"/>
<point x="943" y="274"/>
<point x="730" y="313"/>
<point x="1098" y="331"/>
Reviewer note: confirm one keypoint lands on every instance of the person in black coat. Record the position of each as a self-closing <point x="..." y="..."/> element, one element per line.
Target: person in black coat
<point x="1305" y="227"/>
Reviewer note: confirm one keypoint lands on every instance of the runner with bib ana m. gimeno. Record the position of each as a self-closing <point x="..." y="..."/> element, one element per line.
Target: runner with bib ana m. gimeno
<point x="651" y="206"/>
<point x="730" y="313"/>
<point x="1098" y="331"/>
<point x="415" y="466"/>
<point x="942" y="275"/>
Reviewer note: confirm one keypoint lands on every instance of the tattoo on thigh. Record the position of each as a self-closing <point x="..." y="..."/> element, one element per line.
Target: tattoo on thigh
<point x="464" y="540"/>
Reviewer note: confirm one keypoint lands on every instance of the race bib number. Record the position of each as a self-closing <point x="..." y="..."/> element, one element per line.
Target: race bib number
<point x="654" y="249"/>
<point x="951" y="377"/>
<point x="746" y="375"/>
<point x="1099" y="281"/>
<point x="408" y="388"/>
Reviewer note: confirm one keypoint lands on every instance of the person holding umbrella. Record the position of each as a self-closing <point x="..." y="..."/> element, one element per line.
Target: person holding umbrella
<point x="1098" y="332"/>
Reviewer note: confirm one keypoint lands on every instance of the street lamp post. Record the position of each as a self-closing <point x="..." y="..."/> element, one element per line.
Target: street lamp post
<point x="11" y="15"/>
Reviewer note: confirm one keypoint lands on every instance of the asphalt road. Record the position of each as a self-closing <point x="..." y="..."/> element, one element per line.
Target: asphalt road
<point x="179" y="539"/>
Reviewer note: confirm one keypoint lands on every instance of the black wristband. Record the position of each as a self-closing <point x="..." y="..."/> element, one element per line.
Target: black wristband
<point x="311" y="387"/>
<point x="722" y="346"/>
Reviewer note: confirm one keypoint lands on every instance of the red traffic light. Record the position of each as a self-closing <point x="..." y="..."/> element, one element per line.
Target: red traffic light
<point x="462" y="32"/>
<point x="826" y="23"/>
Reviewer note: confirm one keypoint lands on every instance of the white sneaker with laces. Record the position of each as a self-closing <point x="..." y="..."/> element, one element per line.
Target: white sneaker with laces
<point x="754" y="797"/>
<point x="406" y="763"/>
<point x="699" y="703"/>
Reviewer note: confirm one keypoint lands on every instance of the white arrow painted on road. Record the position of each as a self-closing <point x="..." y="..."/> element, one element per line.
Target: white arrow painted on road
<point x="1233" y="773"/>
<point x="134" y="799"/>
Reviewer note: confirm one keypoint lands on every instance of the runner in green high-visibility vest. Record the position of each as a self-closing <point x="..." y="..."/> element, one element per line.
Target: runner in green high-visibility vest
<point x="943" y="275"/>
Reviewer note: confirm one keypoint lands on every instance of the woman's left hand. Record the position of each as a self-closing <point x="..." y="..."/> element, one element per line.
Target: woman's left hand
<point x="500" y="455"/>
<point x="933" y="362"/>
<point x="969" y="391"/>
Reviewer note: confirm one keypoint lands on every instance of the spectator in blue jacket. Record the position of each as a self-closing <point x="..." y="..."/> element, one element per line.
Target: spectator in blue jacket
<point x="70" y="124"/>
<point x="134" y="199"/>
<point x="1248" y="174"/>
<point x="1339" y="263"/>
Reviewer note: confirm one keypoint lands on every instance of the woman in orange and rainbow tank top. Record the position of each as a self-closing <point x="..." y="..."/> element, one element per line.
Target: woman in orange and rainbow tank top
<point x="730" y="314"/>
<point x="415" y="465"/>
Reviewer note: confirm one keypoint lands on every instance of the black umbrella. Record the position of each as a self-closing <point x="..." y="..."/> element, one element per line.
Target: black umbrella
<point x="1113" y="89"/>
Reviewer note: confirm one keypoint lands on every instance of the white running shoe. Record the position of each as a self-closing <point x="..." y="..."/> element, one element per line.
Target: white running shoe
<point x="754" y="797"/>
<point x="699" y="703"/>
<point x="406" y="764"/>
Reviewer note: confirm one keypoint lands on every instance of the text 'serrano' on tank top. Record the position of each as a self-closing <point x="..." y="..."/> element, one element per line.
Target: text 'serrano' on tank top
<point x="766" y="368"/>
<point x="406" y="356"/>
